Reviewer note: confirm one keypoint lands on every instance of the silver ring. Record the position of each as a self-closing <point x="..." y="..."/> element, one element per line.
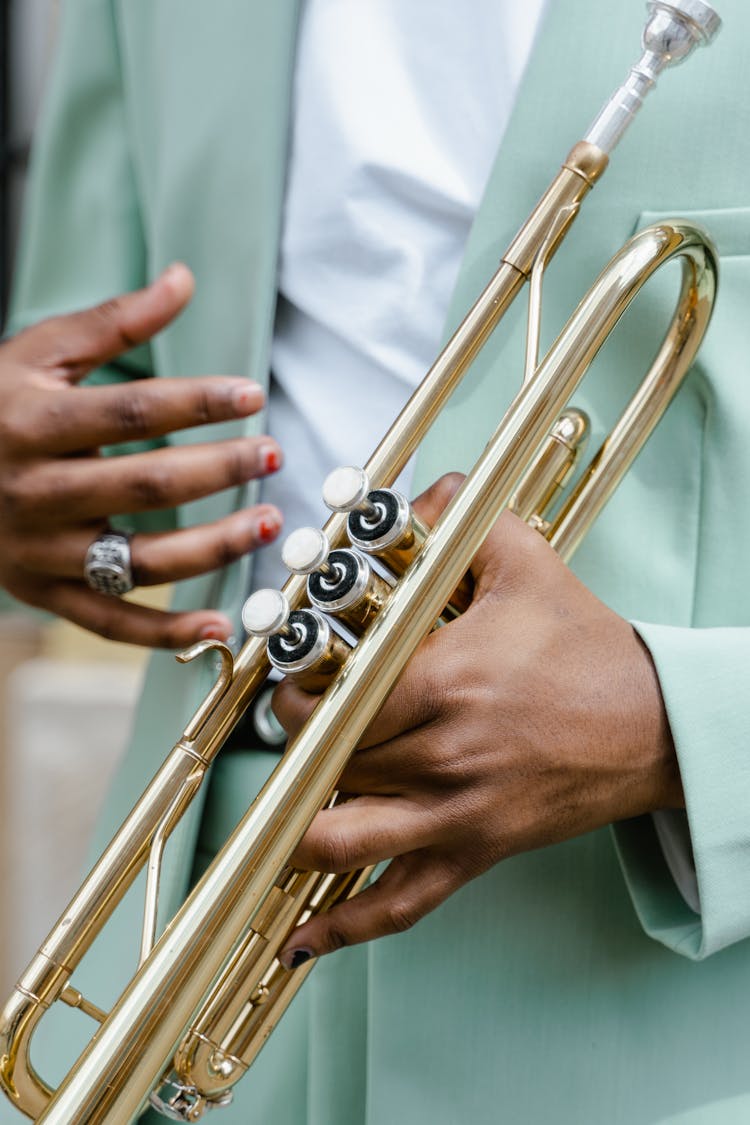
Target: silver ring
<point x="108" y="566"/>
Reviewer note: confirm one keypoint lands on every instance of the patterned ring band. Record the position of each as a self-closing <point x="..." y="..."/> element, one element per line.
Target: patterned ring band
<point x="108" y="568"/>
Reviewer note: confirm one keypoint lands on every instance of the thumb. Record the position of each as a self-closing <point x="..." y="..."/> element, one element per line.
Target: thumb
<point x="83" y="340"/>
<point x="510" y="552"/>
<point x="431" y="503"/>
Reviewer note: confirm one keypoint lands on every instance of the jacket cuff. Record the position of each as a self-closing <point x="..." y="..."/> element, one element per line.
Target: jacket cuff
<point x="704" y="681"/>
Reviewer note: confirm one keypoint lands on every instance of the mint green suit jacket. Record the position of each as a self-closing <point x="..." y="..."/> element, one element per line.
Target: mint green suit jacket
<point x="569" y="984"/>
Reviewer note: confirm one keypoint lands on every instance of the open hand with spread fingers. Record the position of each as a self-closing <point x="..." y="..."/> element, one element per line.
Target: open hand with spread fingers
<point x="535" y="717"/>
<point x="57" y="494"/>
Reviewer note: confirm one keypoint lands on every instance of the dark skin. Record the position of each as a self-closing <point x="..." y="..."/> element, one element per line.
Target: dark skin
<point x="56" y="493"/>
<point x="534" y="718"/>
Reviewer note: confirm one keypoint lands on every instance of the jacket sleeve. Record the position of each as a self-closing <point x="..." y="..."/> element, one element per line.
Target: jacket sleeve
<point x="704" y="680"/>
<point x="82" y="238"/>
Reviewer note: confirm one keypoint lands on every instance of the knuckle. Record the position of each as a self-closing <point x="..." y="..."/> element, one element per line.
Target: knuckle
<point x="227" y="549"/>
<point x="334" y="852"/>
<point x="15" y="428"/>
<point x="336" y="938"/>
<point x="239" y="466"/>
<point x="50" y="340"/>
<point x="131" y="414"/>
<point x="401" y="916"/>
<point x="526" y="547"/>
<point x="446" y="680"/>
<point x="110" y="315"/>
<point x="16" y="497"/>
<point x="203" y="406"/>
<point x="54" y="417"/>
<point x="106" y="624"/>
<point x="108" y="310"/>
<point x="152" y="488"/>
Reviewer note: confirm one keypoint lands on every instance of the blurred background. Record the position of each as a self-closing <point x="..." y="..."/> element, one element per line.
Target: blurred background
<point x="66" y="697"/>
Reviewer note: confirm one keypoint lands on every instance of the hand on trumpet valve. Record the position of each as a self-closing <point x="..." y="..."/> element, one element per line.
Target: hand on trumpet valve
<point x="534" y="717"/>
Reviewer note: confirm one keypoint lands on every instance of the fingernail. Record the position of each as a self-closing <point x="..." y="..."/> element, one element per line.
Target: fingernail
<point x="216" y="631"/>
<point x="247" y="399"/>
<point x="270" y="458"/>
<point x="269" y="527"/>
<point x="173" y="269"/>
<point x="293" y="958"/>
<point x="178" y="272"/>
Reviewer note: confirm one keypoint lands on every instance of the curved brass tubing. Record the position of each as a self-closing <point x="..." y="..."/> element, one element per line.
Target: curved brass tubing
<point x="132" y="1049"/>
<point x="210" y="989"/>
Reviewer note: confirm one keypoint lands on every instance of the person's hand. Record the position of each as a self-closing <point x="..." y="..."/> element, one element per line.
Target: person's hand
<point x="533" y="718"/>
<point x="56" y="493"/>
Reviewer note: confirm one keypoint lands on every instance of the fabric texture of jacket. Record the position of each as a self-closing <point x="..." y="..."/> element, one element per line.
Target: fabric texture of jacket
<point x="568" y="984"/>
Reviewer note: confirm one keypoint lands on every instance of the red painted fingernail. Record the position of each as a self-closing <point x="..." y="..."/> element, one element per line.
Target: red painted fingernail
<point x="215" y="632"/>
<point x="270" y="458"/>
<point x="268" y="529"/>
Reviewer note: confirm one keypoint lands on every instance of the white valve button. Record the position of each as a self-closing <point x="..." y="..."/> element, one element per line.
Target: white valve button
<point x="265" y="613"/>
<point x="345" y="489"/>
<point x="305" y="550"/>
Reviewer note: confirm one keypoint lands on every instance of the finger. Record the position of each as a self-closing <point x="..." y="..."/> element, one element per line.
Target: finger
<point x="128" y="622"/>
<point x="508" y="555"/>
<point x="407" y="759"/>
<point x="75" y="491"/>
<point x="431" y="503"/>
<point x="428" y="758"/>
<point x="60" y="423"/>
<point x="419" y="696"/>
<point x="417" y="700"/>
<point x="512" y="559"/>
<point x="80" y="341"/>
<point x="408" y="889"/>
<point x="159" y="557"/>
<point x="363" y="831"/>
<point x="292" y="706"/>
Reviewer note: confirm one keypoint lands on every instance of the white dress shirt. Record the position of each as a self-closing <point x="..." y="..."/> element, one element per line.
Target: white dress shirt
<point x="399" y="109"/>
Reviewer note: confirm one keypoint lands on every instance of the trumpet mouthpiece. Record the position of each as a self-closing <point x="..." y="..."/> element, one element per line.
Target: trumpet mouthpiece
<point x="671" y="33"/>
<point x="674" y="29"/>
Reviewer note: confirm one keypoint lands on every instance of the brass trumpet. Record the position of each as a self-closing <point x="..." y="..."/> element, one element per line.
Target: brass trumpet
<point x="208" y="993"/>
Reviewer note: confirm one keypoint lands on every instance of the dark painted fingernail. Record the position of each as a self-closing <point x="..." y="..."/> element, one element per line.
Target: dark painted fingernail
<point x="293" y="958"/>
<point x="270" y="458"/>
